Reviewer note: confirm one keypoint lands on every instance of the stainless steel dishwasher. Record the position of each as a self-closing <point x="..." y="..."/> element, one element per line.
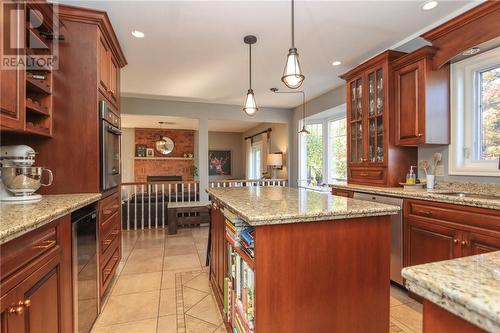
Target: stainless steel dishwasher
<point x="396" y="232"/>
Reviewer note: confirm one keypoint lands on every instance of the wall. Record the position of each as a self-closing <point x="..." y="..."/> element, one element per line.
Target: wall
<point x="183" y="144"/>
<point x="128" y="154"/>
<point x="280" y="142"/>
<point x="232" y="142"/>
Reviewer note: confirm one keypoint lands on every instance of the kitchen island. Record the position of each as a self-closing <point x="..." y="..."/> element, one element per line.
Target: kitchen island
<point x="288" y="260"/>
<point x="460" y="295"/>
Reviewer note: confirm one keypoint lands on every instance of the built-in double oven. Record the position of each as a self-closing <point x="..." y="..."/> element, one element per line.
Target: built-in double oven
<point x="110" y="138"/>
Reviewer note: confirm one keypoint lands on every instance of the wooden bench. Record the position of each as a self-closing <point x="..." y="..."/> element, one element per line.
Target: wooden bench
<point x="180" y="213"/>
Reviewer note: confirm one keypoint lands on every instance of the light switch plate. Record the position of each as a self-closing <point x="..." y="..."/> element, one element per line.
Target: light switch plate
<point x="440" y="170"/>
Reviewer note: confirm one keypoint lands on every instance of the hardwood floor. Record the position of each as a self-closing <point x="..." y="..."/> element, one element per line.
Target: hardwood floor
<point x="163" y="287"/>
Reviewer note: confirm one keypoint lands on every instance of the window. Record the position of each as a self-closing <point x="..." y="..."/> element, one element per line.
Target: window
<point x="314" y="151"/>
<point x="323" y="152"/>
<point x="256" y="160"/>
<point x="475" y="115"/>
<point x="337" y="150"/>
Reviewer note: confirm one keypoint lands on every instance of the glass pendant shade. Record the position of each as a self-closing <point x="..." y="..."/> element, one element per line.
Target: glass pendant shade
<point x="304" y="130"/>
<point x="250" y="105"/>
<point x="292" y="74"/>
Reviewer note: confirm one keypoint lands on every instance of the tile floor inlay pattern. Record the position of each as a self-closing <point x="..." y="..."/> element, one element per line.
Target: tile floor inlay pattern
<point x="162" y="286"/>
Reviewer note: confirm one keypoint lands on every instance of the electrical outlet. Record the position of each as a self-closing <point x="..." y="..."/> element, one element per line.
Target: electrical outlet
<point x="440" y="170"/>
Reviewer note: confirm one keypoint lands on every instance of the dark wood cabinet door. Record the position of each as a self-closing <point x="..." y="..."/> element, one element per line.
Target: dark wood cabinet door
<point x="11" y="313"/>
<point x="104" y="65"/>
<point x="113" y="81"/>
<point x="409" y="104"/>
<point x="430" y="242"/>
<point x="476" y="243"/>
<point x="12" y="90"/>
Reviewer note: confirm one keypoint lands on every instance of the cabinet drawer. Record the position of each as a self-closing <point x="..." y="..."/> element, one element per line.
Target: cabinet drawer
<point x="108" y="269"/>
<point x="109" y="206"/>
<point x="368" y="175"/>
<point x="342" y="193"/>
<point x="477" y="217"/>
<point x="111" y="234"/>
<point x="18" y="253"/>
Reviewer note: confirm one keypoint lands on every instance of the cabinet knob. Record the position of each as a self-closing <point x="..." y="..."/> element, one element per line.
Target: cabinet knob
<point x="455" y="241"/>
<point x="17" y="310"/>
<point x="420" y="135"/>
<point x="27" y="303"/>
<point x="464" y="243"/>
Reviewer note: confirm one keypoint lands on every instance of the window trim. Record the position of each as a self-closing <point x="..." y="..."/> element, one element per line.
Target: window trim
<point x="465" y="94"/>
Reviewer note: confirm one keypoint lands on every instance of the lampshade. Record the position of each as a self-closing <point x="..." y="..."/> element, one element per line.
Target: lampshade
<point x="292" y="74"/>
<point x="275" y="160"/>
<point x="250" y="105"/>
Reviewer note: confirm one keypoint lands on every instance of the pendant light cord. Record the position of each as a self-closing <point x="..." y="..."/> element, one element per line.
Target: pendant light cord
<point x="293" y="25"/>
<point x="250" y="52"/>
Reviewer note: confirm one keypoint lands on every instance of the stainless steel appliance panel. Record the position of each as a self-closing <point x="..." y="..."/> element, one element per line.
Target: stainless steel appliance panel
<point x="110" y="149"/>
<point x="396" y="232"/>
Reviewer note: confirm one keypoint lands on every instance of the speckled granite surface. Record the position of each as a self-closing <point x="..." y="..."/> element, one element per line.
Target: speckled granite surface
<point x="431" y="195"/>
<point x="18" y="219"/>
<point x="468" y="287"/>
<point x="279" y="205"/>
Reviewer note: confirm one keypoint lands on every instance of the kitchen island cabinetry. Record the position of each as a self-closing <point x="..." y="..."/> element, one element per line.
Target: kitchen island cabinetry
<point x="438" y="231"/>
<point x="287" y="266"/>
<point x="36" y="293"/>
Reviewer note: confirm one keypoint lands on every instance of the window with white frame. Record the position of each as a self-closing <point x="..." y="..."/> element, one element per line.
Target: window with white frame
<point x="323" y="152"/>
<point x="256" y="160"/>
<point x="475" y="115"/>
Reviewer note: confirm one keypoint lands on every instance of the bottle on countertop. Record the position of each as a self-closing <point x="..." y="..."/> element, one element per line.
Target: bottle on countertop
<point x="411" y="178"/>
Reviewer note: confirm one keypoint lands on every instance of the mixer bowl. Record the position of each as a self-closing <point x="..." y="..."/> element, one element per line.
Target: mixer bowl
<point x="23" y="181"/>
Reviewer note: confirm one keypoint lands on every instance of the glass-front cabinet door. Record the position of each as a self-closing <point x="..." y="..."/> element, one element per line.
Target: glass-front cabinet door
<point x="356" y="87"/>
<point x="376" y="110"/>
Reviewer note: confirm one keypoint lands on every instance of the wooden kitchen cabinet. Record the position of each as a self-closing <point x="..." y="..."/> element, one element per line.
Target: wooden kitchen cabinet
<point x="438" y="231"/>
<point x="421" y="99"/>
<point x="342" y="193"/>
<point x="36" y="285"/>
<point x="373" y="158"/>
<point x="217" y="251"/>
<point x="108" y="72"/>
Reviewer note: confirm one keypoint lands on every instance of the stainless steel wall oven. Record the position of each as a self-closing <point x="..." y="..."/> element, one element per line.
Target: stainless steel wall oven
<point x="110" y="138"/>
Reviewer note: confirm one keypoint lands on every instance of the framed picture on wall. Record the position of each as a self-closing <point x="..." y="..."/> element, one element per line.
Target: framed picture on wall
<point x="150" y="152"/>
<point x="140" y="150"/>
<point x="219" y="162"/>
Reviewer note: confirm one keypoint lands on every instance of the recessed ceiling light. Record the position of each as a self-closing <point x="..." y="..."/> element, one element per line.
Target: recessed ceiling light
<point x="138" y="34"/>
<point x="471" y="51"/>
<point x="428" y="5"/>
<point x="336" y="63"/>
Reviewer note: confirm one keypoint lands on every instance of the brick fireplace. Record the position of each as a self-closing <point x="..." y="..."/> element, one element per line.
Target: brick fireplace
<point x="175" y="164"/>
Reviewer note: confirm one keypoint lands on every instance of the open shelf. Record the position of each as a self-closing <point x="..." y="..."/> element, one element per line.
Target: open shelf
<point x="32" y="106"/>
<point x="37" y="86"/>
<point x="38" y="130"/>
<point x="41" y="42"/>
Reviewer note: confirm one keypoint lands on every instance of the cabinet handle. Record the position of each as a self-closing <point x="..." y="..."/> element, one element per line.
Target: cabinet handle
<point x="426" y="213"/>
<point x="17" y="310"/>
<point x="455" y="241"/>
<point x="45" y="245"/>
<point x="107" y="242"/>
<point x="364" y="160"/>
<point x="27" y="303"/>
<point x="465" y="243"/>
<point x="420" y="135"/>
<point x="363" y="174"/>
<point x="115" y="232"/>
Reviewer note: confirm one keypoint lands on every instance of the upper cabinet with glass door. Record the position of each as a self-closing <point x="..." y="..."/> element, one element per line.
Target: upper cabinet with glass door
<point x="368" y="115"/>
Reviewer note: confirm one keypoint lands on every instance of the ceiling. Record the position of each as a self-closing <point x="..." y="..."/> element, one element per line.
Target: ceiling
<point x="194" y="50"/>
<point x="142" y="121"/>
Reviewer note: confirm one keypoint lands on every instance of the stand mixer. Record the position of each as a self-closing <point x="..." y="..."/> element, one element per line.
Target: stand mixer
<point x="20" y="179"/>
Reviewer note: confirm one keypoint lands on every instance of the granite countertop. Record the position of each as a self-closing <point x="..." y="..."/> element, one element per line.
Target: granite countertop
<point x="422" y="194"/>
<point x="18" y="219"/>
<point x="468" y="287"/>
<point x="279" y="205"/>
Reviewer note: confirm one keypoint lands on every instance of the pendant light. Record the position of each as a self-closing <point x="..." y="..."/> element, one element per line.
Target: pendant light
<point x="292" y="74"/>
<point x="303" y="130"/>
<point x="250" y="105"/>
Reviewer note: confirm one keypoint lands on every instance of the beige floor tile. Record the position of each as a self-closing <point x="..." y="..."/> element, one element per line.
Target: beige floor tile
<point x="142" y="326"/>
<point x="191" y="297"/>
<point x="206" y="310"/>
<point x="138" y="266"/>
<point x="409" y="315"/>
<point x="151" y="234"/>
<point x="200" y="282"/>
<point x="146" y="254"/>
<point x="134" y="283"/>
<point x="187" y="261"/>
<point x="175" y="250"/>
<point x="149" y="243"/>
<point x="167" y="302"/>
<point x="167" y="324"/>
<point x="195" y="325"/>
<point x="179" y="240"/>
<point x="131" y="307"/>
<point x="168" y="280"/>
<point x="221" y="329"/>
<point x="399" y="296"/>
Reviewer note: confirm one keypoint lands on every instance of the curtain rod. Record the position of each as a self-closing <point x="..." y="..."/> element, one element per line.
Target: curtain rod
<point x="269" y="130"/>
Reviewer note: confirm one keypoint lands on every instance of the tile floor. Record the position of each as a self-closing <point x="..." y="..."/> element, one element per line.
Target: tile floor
<point x="162" y="287"/>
